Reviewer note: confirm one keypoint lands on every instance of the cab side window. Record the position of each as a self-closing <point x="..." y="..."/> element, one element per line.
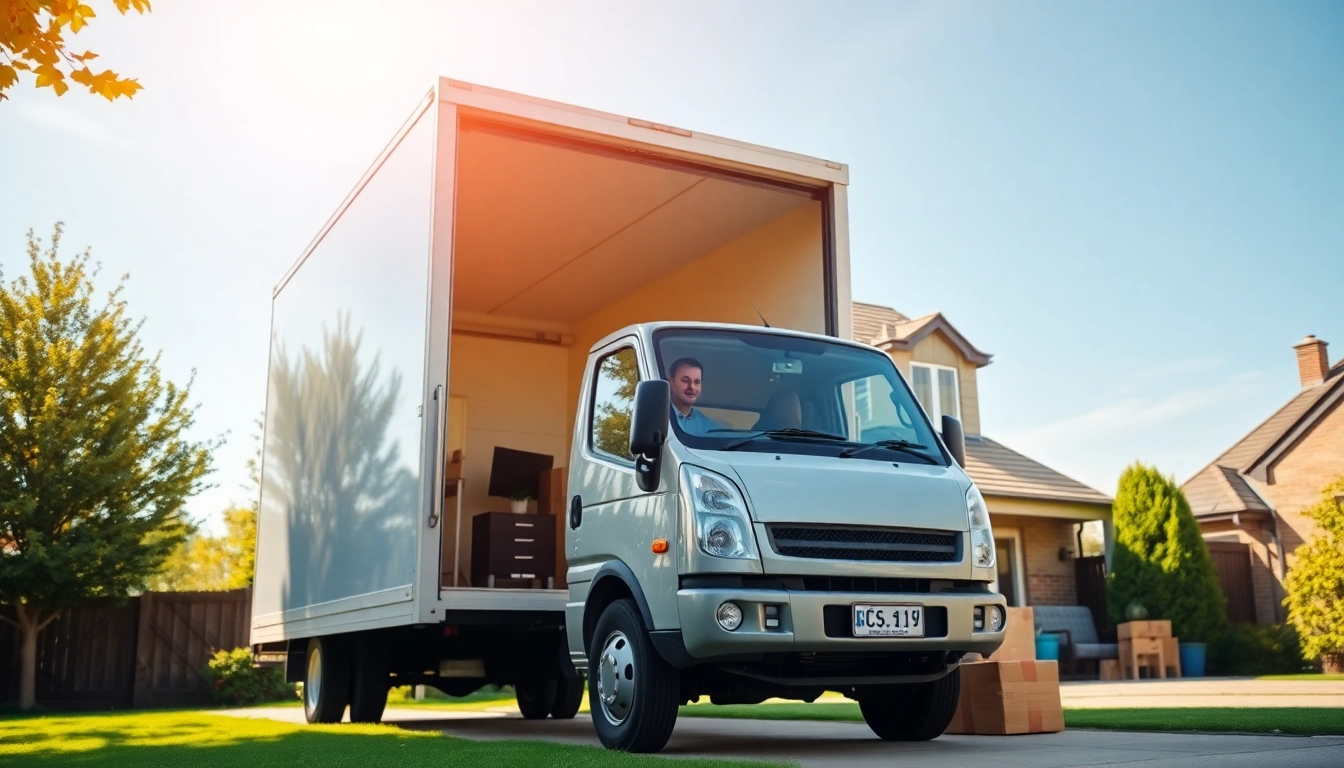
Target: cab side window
<point x="613" y="402"/>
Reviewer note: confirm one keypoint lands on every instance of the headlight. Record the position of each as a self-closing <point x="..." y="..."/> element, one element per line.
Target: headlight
<point x="982" y="536"/>
<point x="721" y="525"/>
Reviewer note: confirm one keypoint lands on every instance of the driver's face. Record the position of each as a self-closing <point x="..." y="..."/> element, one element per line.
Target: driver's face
<point x="685" y="387"/>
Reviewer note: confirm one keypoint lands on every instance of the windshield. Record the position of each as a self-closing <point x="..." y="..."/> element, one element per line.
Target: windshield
<point x="744" y="390"/>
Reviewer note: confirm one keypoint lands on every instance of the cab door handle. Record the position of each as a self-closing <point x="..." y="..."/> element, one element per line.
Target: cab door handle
<point x="575" y="512"/>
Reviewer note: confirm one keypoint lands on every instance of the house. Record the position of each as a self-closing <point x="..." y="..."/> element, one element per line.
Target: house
<point x="1249" y="500"/>
<point x="1036" y="512"/>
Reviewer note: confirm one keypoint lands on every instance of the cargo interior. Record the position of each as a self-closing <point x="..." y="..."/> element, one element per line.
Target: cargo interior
<point x="559" y="243"/>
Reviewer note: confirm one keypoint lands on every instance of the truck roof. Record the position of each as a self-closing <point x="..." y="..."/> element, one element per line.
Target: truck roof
<point x="647" y="329"/>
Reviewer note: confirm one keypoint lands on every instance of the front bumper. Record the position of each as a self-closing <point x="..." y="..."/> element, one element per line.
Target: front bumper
<point x="804" y="625"/>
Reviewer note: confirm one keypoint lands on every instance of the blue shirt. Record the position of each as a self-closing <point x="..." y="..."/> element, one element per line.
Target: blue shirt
<point x="697" y="423"/>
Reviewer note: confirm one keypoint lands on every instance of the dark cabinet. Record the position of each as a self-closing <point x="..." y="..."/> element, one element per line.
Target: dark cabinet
<point x="509" y="546"/>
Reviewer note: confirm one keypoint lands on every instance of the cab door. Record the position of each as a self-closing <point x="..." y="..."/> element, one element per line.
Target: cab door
<point x="611" y="519"/>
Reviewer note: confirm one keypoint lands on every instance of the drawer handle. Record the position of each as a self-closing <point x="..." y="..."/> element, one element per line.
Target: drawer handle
<point x="523" y="541"/>
<point x="524" y="525"/>
<point x="522" y="557"/>
<point x="523" y="575"/>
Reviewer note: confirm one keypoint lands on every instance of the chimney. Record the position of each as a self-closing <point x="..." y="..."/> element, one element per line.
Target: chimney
<point x="1312" y="362"/>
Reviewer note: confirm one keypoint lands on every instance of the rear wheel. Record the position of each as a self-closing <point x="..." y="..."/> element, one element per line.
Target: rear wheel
<point x="913" y="711"/>
<point x="634" y="692"/>
<point x="535" y="697"/>
<point x="326" y="684"/>
<point x="568" y="698"/>
<point x="370" y="683"/>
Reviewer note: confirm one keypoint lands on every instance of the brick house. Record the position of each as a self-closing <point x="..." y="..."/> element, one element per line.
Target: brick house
<point x="1249" y="500"/>
<point x="1036" y="512"/>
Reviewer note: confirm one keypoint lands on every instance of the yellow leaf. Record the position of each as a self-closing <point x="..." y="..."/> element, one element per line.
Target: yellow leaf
<point x="60" y="87"/>
<point x="85" y="11"/>
<point x="7" y="76"/>
<point x="23" y="65"/>
<point x="87" y="56"/>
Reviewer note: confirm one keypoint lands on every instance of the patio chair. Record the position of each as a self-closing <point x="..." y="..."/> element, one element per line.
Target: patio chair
<point x="1079" y="645"/>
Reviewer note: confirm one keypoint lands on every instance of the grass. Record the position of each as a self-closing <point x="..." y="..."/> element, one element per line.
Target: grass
<point x="199" y="740"/>
<point x="1302" y="721"/>
<point x="1312" y="676"/>
<point x="1305" y="721"/>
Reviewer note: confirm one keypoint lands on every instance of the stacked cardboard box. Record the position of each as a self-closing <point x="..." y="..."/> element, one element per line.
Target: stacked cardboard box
<point x="1147" y="644"/>
<point x="1007" y="697"/>
<point x="1019" y="637"/>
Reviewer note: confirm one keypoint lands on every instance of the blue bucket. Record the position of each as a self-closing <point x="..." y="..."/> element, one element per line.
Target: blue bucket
<point x="1047" y="647"/>
<point x="1192" y="659"/>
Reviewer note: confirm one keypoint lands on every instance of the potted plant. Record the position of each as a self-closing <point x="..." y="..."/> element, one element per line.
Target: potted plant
<point x="518" y="501"/>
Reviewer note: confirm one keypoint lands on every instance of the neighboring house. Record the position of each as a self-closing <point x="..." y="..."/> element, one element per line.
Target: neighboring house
<point x="1036" y="512"/>
<point x="1249" y="500"/>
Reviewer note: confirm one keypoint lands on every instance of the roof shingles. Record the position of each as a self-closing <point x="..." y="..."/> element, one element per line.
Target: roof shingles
<point x="999" y="470"/>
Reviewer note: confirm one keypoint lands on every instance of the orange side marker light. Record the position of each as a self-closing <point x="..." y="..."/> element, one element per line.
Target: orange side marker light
<point x="659" y="546"/>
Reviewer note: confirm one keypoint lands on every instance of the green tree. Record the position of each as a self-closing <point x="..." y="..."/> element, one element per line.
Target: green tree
<point x="611" y="422"/>
<point x="95" y="461"/>
<point x="1160" y="558"/>
<point x="208" y="563"/>
<point x="1315" y="583"/>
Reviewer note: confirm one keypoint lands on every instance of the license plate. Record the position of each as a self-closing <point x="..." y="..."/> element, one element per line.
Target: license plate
<point x="888" y="620"/>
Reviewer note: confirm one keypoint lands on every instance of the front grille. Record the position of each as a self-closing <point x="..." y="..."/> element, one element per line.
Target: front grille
<point x="892" y="545"/>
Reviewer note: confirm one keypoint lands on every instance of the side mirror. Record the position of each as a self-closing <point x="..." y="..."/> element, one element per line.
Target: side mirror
<point x="954" y="439"/>
<point x="648" y="430"/>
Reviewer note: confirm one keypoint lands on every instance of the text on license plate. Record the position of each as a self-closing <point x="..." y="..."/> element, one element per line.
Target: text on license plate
<point x="888" y="620"/>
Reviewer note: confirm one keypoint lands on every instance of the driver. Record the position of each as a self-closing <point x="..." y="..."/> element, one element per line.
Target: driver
<point x="685" y="376"/>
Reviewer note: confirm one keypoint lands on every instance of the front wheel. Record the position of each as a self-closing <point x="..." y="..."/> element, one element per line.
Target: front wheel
<point x="634" y="692"/>
<point x="912" y="711"/>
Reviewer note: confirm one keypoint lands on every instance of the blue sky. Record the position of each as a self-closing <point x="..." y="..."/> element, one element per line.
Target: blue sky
<point x="1137" y="208"/>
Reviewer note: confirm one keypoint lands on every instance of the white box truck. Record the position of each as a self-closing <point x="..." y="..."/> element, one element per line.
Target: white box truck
<point x="645" y="328"/>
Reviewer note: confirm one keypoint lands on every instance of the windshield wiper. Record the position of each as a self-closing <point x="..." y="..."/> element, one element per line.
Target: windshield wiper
<point x="904" y="446"/>
<point x="790" y="432"/>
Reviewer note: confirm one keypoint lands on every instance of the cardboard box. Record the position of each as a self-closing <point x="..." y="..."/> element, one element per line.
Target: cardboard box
<point x="551" y="492"/>
<point x="1008" y="697"/>
<point x="1154" y="628"/>
<point x="1171" y="650"/>
<point x="1019" y="638"/>
<point x="1109" y="669"/>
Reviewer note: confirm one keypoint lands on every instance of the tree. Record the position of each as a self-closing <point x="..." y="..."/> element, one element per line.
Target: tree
<point x="32" y="39"/>
<point x="95" y="461"/>
<point x="1160" y="558"/>
<point x="213" y="563"/>
<point x="611" y="423"/>
<point x="1315" y="583"/>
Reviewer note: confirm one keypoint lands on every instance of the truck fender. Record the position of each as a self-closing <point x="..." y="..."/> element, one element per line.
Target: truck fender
<point x="599" y="595"/>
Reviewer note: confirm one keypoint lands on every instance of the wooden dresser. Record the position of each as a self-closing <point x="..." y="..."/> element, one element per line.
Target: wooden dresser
<point x="512" y="547"/>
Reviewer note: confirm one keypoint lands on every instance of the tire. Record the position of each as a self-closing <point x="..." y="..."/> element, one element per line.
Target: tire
<point x="634" y="693"/>
<point x="568" y="698"/>
<point x="326" y="682"/>
<point x="535" y="697"/>
<point x="914" y="711"/>
<point x="371" y="680"/>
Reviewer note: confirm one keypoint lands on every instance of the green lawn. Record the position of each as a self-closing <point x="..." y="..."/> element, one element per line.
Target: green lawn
<point x="1315" y="721"/>
<point x="198" y="740"/>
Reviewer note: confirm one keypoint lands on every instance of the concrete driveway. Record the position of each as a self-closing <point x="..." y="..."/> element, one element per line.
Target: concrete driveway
<point x="852" y="745"/>
<point x="1204" y="692"/>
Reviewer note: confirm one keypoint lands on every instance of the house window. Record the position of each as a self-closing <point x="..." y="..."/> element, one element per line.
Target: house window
<point x="937" y="388"/>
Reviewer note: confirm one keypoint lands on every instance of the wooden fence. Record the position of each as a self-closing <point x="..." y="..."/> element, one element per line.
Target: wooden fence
<point x="147" y="651"/>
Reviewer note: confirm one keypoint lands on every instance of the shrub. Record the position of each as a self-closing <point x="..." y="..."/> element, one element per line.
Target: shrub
<point x="1257" y="649"/>
<point x="1160" y="558"/>
<point x="235" y="680"/>
<point x="1315" y="583"/>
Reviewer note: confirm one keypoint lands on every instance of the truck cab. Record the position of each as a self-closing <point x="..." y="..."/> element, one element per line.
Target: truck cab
<point x="761" y="513"/>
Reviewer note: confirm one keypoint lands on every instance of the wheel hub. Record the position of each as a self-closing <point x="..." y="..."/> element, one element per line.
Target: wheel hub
<point x="616" y="678"/>
<point x="312" y="684"/>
